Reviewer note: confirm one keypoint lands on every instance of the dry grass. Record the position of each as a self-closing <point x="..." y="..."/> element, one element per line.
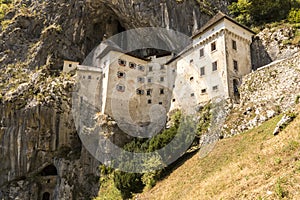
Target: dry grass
<point x="254" y="165"/>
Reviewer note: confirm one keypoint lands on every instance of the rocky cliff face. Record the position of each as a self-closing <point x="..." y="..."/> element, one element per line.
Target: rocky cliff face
<point x="38" y="32"/>
<point x="41" y="154"/>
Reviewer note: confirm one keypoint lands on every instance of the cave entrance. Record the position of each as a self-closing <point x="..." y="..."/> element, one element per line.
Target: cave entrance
<point x="50" y="170"/>
<point x="46" y="196"/>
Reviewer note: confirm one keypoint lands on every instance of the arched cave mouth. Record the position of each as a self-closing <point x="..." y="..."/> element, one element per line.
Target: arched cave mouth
<point x="49" y="170"/>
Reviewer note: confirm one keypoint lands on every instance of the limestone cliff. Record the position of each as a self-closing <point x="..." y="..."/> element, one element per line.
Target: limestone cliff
<point x="41" y="154"/>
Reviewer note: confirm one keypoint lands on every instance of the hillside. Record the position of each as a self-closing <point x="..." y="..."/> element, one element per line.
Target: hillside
<point x="253" y="165"/>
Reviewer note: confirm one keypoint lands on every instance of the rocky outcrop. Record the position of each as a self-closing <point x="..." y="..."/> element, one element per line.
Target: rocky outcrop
<point x="40" y="32"/>
<point x="280" y="42"/>
<point x="41" y="153"/>
<point x="273" y="89"/>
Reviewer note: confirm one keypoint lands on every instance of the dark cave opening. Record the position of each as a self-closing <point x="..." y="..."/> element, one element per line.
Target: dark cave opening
<point x="46" y="196"/>
<point x="49" y="170"/>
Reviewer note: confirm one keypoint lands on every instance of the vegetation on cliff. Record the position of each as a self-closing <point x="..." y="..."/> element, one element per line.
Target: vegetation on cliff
<point x="257" y="12"/>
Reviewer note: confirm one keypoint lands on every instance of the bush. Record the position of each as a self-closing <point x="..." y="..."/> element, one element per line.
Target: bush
<point x="294" y="15"/>
<point x="256" y="12"/>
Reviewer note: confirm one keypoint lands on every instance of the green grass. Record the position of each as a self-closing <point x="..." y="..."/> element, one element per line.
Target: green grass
<point x="242" y="167"/>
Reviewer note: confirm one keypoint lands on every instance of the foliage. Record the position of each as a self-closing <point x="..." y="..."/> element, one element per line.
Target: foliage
<point x="204" y="121"/>
<point x="256" y="12"/>
<point x="281" y="193"/>
<point x="5" y="5"/>
<point x="294" y="15"/>
<point x="179" y="133"/>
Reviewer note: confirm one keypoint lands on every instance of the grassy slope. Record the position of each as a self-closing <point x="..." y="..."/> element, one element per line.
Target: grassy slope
<point x="253" y="165"/>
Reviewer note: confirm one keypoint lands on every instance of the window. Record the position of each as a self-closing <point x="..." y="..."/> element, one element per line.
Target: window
<point x="203" y="91"/>
<point x="174" y="70"/>
<point x="202" y="71"/>
<point x="121" y="74"/>
<point x="141" y="79"/>
<point x="173" y="86"/>
<point x="192" y="78"/>
<point x="98" y="78"/>
<point x="149" y="80"/>
<point x="161" y="91"/>
<point x="132" y="65"/>
<point x="70" y="65"/>
<point x="191" y="61"/>
<point x="162" y="79"/>
<point x="149" y="91"/>
<point x="149" y="101"/>
<point x="160" y="103"/>
<point x="89" y="77"/>
<point x="201" y="52"/>
<point x="235" y="65"/>
<point x="213" y="46"/>
<point x="193" y="94"/>
<point x="234" y="45"/>
<point x="120" y="88"/>
<point x="215" y="66"/>
<point x="141" y="68"/>
<point x="139" y="92"/>
<point x="150" y="68"/>
<point x="83" y="77"/>
<point x="122" y="62"/>
<point x="215" y="88"/>
<point x="173" y="100"/>
<point x="162" y="67"/>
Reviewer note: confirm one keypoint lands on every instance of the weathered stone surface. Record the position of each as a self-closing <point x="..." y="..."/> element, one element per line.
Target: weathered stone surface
<point x="271" y="90"/>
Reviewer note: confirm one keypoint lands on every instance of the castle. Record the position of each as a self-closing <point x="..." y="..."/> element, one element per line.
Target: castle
<point x="122" y="85"/>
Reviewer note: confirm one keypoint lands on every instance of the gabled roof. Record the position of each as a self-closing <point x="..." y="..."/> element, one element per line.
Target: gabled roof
<point x="218" y="17"/>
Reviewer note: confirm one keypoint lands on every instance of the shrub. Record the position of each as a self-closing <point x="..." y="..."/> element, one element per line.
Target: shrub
<point x="294" y="15"/>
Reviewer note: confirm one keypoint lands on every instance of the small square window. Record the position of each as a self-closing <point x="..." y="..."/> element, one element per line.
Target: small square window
<point x="132" y="65"/>
<point x="70" y="65"/>
<point x="141" y="79"/>
<point x="162" y="79"/>
<point x="215" y="88"/>
<point x="234" y="45"/>
<point x="150" y="68"/>
<point x="139" y="92"/>
<point x="160" y="103"/>
<point x="173" y="100"/>
<point x="202" y="71"/>
<point x="89" y="77"/>
<point x="83" y="77"/>
<point x="203" y="91"/>
<point x="215" y="66"/>
<point x="174" y="70"/>
<point x="193" y="94"/>
<point x="161" y="91"/>
<point x="141" y="68"/>
<point x="149" y="91"/>
<point x="162" y="67"/>
<point x="235" y="65"/>
<point x="120" y="88"/>
<point x="213" y="46"/>
<point x="121" y="74"/>
<point x="149" y="80"/>
<point x="201" y="52"/>
<point x="149" y="101"/>
<point x="122" y="62"/>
